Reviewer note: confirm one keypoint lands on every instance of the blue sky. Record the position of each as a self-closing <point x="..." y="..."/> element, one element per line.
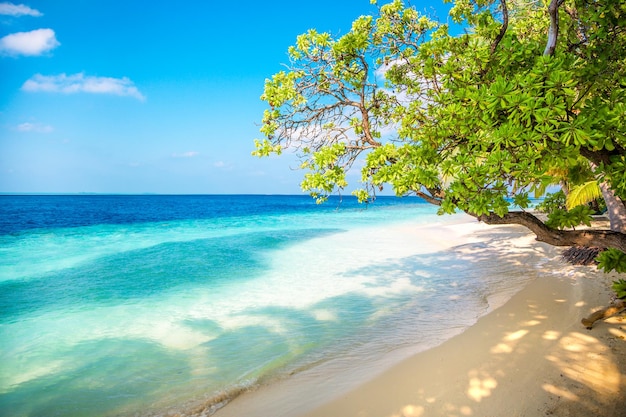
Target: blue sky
<point x="159" y="97"/>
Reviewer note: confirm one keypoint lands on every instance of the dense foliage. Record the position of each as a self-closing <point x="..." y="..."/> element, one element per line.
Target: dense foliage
<point x="525" y="96"/>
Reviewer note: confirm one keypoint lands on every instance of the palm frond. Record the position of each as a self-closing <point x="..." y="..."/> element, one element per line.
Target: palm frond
<point x="583" y="194"/>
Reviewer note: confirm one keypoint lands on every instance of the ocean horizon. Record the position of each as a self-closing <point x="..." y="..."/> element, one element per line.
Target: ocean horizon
<point x="115" y="305"/>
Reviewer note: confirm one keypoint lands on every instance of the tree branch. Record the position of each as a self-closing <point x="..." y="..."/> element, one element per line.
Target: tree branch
<point x="602" y="156"/>
<point x="505" y="25"/>
<point x="428" y="198"/>
<point x="588" y="238"/>
<point x="553" y="31"/>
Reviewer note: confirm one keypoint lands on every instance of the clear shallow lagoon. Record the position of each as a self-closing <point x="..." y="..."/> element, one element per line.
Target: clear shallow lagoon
<point x="132" y="305"/>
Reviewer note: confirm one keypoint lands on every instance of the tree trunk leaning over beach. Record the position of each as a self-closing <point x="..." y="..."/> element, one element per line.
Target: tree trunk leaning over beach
<point x="615" y="208"/>
<point x="475" y="120"/>
<point x="586" y="237"/>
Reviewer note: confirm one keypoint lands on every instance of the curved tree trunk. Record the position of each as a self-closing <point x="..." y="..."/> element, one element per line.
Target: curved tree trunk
<point x="588" y="238"/>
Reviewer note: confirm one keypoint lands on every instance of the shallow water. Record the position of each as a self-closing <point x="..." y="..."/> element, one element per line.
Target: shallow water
<point x="125" y="305"/>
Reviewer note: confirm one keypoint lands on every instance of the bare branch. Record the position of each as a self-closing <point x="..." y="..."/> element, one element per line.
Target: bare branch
<point x="505" y="25"/>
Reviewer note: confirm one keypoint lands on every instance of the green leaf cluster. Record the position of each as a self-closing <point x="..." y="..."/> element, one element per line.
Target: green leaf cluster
<point x="265" y="148"/>
<point x="619" y="287"/>
<point x="563" y="219"/>
<point x="552" y="202"/>
<point x="612" y="260"/>
<point x="325" y="174"/>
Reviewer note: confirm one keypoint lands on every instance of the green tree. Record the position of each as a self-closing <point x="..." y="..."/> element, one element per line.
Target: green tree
<point x="475" y="121"/>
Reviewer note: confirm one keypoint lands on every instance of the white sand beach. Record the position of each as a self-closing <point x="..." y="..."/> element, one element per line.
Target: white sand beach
<point x="528" y="357"/>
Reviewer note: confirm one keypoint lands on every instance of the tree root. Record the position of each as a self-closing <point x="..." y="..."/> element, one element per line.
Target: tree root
<point x="611" y="310"/>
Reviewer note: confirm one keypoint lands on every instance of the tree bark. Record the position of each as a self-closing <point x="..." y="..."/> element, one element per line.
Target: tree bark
<point x="615" y="208"/>
<point x="589" y="238"/>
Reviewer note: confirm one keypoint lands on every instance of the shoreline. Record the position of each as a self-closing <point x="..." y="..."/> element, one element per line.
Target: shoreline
<point x="529" y="356"/>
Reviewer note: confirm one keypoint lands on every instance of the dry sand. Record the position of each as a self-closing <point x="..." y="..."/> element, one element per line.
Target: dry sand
<point x="529" y="357"/>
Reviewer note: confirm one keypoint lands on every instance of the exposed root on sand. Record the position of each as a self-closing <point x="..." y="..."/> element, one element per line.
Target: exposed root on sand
<point x="609" y="311"/>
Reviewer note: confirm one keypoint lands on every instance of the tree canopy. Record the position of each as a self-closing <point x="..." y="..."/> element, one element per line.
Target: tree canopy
<point x="480" y="117"/>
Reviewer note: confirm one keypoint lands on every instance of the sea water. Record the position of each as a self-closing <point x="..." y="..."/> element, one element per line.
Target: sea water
<point x="148" y="305"/>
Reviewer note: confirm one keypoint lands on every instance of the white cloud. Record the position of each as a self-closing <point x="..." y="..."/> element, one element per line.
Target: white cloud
<point x="34" y="127"/>
<point x="189" y="154"/>
<point x="33" y="43"/>
<point x="80" y="83"/>
<point x="18" y="10"/>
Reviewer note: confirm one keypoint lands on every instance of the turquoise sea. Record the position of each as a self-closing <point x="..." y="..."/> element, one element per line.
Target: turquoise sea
<point x="149" y="305"/>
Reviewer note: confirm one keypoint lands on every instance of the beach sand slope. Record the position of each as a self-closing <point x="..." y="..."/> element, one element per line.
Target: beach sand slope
<point x="531" y="357"/>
